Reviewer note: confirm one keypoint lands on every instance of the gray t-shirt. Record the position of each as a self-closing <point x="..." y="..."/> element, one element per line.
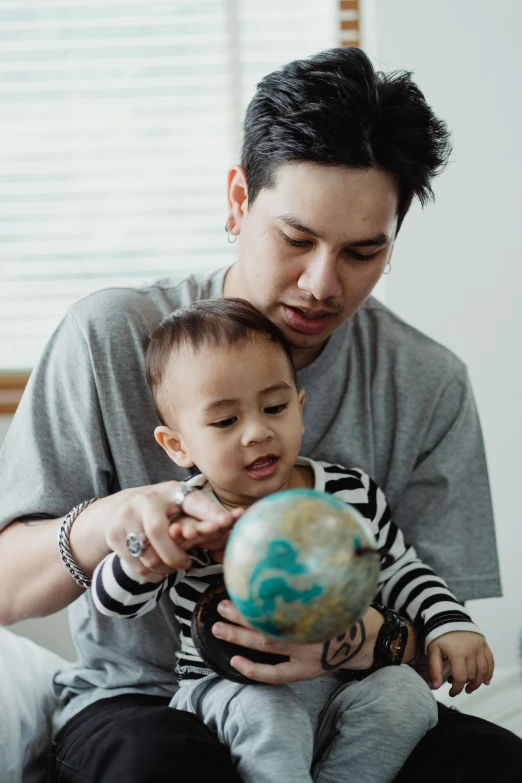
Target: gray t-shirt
<point x="381" y="396"/>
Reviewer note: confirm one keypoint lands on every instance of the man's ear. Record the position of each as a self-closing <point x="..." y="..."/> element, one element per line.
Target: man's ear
<point x="173" y="444"/>
<point x="237" y="193"/>
<point x="301" y="396"/>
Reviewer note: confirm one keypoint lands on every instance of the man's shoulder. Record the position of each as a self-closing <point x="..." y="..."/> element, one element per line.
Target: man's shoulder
<point x="408" y="349"/>
<point x="140" y="309"/>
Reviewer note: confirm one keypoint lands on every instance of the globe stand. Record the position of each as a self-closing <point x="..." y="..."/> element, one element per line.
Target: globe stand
<point x="216" y="653"/>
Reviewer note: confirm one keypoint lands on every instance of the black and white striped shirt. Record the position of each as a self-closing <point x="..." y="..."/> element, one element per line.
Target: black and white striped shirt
<point x="406" y="584"/>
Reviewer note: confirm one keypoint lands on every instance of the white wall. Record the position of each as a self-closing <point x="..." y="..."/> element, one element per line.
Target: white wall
<point x="457" y="266"/>
<point x="4" y="426"/>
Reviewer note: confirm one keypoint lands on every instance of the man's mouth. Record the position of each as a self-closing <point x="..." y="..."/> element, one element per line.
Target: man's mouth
<point x="263" y="466"/>
<point x="307" y="320"/>
<point x="312" y="313"/>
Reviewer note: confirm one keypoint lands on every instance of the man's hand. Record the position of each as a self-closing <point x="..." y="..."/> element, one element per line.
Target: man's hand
<point x="470" y="659"/>
<point x="147" y="511"/>
<point x="351" y="650"/>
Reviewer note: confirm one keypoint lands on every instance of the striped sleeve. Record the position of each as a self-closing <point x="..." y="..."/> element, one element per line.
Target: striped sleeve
<point x="117" y="591"/>
<point x="406" y="584"/>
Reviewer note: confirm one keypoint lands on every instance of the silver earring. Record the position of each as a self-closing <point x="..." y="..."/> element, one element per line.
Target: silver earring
<point x="387" y="269"/>
<point x="231" y="241"/>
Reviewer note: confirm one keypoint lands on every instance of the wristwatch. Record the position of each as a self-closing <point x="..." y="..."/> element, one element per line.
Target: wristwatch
<point x="390" y="644"/>
<point x="391" y="641"/>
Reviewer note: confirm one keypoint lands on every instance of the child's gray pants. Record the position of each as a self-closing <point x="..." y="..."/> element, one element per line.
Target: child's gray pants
<point x="321" y="730"/>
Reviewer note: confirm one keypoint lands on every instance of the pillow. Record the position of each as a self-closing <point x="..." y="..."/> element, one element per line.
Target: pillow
<point x="27" y="703"/>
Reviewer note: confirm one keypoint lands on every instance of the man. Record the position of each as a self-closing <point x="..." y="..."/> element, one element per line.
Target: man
<point x="333" y="155"/>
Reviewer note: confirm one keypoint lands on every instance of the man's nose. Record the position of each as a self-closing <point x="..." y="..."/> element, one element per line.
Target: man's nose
<point x="320" y="277"/>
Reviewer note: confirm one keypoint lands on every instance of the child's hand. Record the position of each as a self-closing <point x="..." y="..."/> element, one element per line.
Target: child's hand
<point x="469" y="657"/>
<point x="212" y="536"/>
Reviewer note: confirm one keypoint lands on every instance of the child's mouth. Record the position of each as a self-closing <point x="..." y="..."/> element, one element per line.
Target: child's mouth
<point x="263" y="466"/>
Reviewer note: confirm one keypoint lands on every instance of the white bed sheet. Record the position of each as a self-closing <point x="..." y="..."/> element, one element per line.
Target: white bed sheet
<point x="27" y="704"/>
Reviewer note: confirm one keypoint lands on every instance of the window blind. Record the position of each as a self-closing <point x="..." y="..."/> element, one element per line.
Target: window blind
<point x="118" y="121"/>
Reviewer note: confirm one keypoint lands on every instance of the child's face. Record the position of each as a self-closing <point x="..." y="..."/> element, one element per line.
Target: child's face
<point x="234" y="411"/>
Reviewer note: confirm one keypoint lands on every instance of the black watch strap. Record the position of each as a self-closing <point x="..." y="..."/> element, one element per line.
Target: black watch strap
<point x="391" y="641"/>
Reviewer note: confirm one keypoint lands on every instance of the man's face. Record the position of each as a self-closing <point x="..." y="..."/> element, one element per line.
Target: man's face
<point x="312" y="247"/>
<point x="237" y="416"/>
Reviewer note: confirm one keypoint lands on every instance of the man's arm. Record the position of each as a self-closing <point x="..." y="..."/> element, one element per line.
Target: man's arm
<point x="56" y="455"/>
<point x="33" y="580"/>
<point x="354" y="651"/>
<point x="447" y="497"/>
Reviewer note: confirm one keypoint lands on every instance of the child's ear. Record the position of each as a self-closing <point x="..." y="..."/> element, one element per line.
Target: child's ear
<point x="173" y="444"/>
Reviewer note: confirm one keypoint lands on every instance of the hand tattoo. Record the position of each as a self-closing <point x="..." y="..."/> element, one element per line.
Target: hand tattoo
<point x="343" y="648"/>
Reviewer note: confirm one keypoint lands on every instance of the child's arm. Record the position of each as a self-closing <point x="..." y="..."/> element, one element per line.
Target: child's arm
<point x="412" y="588"/>
<point x="117" y="591"/>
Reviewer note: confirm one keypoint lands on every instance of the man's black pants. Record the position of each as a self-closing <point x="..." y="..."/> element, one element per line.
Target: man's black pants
<point x="139" y="739"/>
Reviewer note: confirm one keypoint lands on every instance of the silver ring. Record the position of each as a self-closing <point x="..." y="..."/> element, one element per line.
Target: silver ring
<point x="180" y="495"/>
<point x="136" y="544"/>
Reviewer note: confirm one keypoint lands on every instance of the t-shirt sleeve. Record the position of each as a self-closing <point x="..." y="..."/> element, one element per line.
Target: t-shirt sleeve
<point x="55" y="454"/>
<point x="445" y="510"/>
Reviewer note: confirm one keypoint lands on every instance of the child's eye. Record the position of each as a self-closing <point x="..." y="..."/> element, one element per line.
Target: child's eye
<point x="224" y="423"/>
<point x="272" y="410"/>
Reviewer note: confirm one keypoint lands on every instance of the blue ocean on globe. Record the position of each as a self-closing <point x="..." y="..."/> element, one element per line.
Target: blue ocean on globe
<point x="292" y="568"/>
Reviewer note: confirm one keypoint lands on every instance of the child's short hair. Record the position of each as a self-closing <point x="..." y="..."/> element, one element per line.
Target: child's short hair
<point x="209" y="322"/>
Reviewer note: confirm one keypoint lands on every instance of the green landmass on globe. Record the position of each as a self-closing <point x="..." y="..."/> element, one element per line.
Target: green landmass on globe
<point x="301" y="566"/>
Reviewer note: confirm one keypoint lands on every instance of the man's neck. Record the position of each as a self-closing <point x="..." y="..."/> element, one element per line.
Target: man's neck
<point x="302" y="357"/>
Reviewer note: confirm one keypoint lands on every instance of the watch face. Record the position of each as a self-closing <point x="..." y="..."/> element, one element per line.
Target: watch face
<point x="398" y="645"/>
<point x="391" y="639"/>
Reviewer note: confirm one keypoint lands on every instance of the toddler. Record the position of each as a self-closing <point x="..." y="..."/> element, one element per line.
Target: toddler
<point x="224" y="387"/>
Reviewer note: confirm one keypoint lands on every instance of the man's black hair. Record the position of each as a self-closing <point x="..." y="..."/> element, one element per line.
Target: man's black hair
<point x="334" y="109"/>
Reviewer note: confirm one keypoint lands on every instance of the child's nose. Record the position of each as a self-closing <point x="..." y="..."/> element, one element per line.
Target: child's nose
<point x="256" y="432"/>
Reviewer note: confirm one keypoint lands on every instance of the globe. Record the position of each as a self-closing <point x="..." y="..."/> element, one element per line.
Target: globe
<point x="301" y="565"/>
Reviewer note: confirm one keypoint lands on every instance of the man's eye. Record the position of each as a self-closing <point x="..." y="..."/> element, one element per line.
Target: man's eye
<point x="295" y="242"/>
<point x="361" y="256"/>
<point x="224" y="423"/>
<point x="272" y="410"/>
